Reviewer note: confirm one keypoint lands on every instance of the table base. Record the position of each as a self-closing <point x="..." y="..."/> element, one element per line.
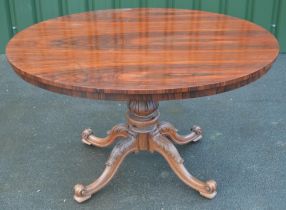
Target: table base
<point x="143" y="132"/>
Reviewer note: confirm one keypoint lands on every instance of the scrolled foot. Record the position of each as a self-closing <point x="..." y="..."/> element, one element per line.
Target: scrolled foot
<point x="198" y="131"/>
<point x="210" y="190"/>
<point x="85" y="136"/>
<point x="164" y="146"/>
<point x="79" y="193"/>
<point x="168" y="130"/>
<point x="120" y="130"/>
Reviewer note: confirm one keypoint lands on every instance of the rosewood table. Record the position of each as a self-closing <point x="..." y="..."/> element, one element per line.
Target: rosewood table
<point x="142" y="56"/>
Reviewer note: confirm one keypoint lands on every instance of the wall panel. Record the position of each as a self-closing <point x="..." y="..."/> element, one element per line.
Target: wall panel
<point x="157" y="3"/>
<point x="237" y="8"/>
<point x="184" y="4"/>
<point x="75" y="6"/>
<point x="50" y="9"/>
<point x="210" y="5"/>
<point x="281" y="25"/>
<point x="129" y="4"/>
<point x="5" y="23"/>
<point x="24" y="13"/>
<point x="262" y="13"/>
<point x="15" y="15"/>
<point x="106" y="4"/>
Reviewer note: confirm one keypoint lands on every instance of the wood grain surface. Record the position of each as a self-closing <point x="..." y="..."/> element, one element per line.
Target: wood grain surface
<point x="160" y="54"/>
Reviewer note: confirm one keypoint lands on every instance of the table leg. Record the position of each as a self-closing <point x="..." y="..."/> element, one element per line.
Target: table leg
<point x="120" y="130"/>
<point x="167" y="129"/>
<point x="164" y="146"/>
<point x="119" y="152"/>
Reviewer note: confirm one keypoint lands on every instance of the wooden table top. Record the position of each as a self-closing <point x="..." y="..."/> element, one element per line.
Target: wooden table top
<point x="158" y="53"/>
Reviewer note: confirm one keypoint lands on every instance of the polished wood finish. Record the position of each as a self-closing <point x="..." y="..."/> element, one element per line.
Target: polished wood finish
<point x="144" y="132"/>
<point x="142" y="53"/>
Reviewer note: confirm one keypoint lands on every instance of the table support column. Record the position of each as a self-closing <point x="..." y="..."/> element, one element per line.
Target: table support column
<point x="142" y="132"/>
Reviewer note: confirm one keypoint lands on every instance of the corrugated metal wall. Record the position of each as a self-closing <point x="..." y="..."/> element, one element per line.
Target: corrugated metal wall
<point x="15" y="15"/>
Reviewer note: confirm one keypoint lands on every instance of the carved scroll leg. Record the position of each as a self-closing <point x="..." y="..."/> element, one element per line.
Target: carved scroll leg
<point x="168" y="130"/>
<point x="119" y="130"/>
<point x="119" y="152"/>
<point x="165" y="147"/>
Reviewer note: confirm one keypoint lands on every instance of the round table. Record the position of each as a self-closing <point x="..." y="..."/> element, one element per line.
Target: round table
<point x="142" y="56"/>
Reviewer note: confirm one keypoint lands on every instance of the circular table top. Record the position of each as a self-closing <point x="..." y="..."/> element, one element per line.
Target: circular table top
<point x="158" y="53"/>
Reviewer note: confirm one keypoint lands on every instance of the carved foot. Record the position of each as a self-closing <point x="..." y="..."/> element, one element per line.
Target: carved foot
<point x="117" y="131"/>
<point x="79" y="193"/>
<point x="164" y="146"/>
<point x="119" y="152"/>
<point x="211" y="190"/>
<point x="168" y="130"/>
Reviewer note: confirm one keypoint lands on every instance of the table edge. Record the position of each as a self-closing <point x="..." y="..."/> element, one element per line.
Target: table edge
<point x="192" y="92"/>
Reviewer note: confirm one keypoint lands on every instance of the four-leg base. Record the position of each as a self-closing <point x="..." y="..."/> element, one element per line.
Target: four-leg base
<point x="143" y="132"/>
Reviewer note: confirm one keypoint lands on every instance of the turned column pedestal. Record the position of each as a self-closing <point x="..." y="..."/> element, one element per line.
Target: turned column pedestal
<point x="143" y="132"/>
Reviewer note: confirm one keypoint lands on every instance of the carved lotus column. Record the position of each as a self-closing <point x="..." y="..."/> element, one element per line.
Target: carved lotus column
<point x="142" y="118"/>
